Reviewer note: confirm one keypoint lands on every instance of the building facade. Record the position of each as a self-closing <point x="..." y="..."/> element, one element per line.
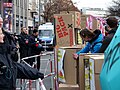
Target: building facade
<point x="14" y="14"/>
<point x="21" y="13"/>
<point x="100" y="12"/>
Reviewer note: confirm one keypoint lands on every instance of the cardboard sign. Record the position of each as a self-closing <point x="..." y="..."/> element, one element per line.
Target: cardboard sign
<point x="69" y="64"/>
<point x="90" y="67"/>
<point x="64" y="30"/>
<point x="68" y="87"/>
<point x="77" y="17"/>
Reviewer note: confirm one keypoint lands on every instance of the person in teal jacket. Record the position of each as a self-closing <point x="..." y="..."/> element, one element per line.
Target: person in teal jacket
<point x="93" y="39"/>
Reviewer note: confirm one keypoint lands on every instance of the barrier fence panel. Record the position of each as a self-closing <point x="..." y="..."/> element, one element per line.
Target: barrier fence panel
<point x="46" y="67"/>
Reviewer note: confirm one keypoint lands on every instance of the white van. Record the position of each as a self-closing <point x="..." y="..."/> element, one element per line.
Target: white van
<point x="46" y="34"/>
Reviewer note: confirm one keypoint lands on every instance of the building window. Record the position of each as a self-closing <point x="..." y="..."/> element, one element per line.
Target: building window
<point x="0" y="7"/>
<point x="17" y="2"/>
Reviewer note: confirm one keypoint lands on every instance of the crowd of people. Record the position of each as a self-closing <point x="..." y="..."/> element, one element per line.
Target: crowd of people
<point x="29" y="45"/>
<point x="95" y="41"/>
<point x="10" y="69"/>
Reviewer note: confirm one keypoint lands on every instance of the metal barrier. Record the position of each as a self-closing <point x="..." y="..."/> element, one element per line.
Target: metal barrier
<point x="28" y="84"/>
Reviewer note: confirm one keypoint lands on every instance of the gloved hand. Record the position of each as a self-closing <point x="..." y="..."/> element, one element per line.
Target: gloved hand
<point x="39" y="46"/>
<point x="36" y="44"/>
<point x="41" y="75"/>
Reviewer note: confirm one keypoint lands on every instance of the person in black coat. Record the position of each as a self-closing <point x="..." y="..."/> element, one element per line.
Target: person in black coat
<point x="35" y="47"/>
<point x="112" y="25"/>
<point x="11" y="44"/>
<point x="24" y="43"/>
<point x="10" y="70"/>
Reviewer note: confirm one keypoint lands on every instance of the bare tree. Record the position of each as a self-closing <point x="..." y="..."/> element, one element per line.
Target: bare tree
<point x="114" y="10"/>
<point x="56" y="6"/>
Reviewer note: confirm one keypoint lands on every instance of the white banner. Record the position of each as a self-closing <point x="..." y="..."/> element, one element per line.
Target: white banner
<point x="61" y="53"/>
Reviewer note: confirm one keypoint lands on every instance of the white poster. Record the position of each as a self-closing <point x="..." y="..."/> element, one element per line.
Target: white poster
<point x="92" y="75"/>
<point x="61" y="76"/>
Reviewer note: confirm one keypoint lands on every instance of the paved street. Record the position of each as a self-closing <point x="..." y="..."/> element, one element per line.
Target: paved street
<point x="46" y="69"/>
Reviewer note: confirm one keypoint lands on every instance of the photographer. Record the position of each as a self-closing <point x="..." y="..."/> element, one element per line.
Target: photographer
<point x="10" y="70"/>
<point x="11" y="44"/>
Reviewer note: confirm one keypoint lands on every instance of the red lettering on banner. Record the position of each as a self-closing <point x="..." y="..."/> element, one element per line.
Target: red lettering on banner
<point x="59" y="31"/>
<point x="60" y="35"/>
<point x="62" y="24"/>
<point x="60" y="19"/>
<point x="64" y="31"/>
<point x="58" y="27"/>
<point x="71" y="36"/>
<point x="7" y="4"/>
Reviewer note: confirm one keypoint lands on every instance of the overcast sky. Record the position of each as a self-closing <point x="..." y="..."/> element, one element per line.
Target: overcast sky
<point x="92" y="3"/>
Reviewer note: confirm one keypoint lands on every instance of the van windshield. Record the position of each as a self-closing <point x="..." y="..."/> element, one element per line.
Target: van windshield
<point x="46" y="33"/>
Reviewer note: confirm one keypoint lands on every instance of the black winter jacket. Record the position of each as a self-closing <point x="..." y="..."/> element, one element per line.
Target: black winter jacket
<point x="34" y="47"/>
<point x="10" y="44"/>
<point x="10" y="71"/>
<point x="107" y="40"/>
<point x="22" y="41"/>
<point x="24" y="45"/>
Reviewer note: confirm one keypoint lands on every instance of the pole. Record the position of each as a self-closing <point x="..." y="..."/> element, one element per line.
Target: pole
<point x="14" y="26"/>
<point x="19" y="17"/>
<point x="39" y="12"/>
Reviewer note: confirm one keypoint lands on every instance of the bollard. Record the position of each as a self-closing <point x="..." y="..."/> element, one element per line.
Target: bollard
<point x="30" y="84"/>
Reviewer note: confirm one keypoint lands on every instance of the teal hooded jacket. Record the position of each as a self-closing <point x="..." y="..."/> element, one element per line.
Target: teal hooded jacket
<point x="92" y="46"/>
